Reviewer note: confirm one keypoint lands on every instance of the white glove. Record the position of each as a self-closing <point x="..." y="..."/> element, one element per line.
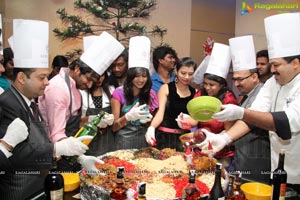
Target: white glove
<point x="230" y="112"/>
<point x="88" y="163"/>
<point x="71" y="146"/>
<point x="146" y="118"/>
<point x="150" y="136"/>
<point x="137" y="112"/>
<point x="16" y="132"/>
<point x="182" y="123"/>
<point x="107" y="120"/>
<point x="218" y="141"/>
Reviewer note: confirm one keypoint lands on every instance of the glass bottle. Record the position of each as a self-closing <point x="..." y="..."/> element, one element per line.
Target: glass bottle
<point x="217" y="192"/>
<point x="191" y="190"/>
<point x="229" y="192"/>
<point x="54" y="185"/>
<point x="142" y="191"/>
<point x="237" y="194"/>
<point x="90" y="128"/>
<point x="119" y="192"/>
<point x="279" y="179"/>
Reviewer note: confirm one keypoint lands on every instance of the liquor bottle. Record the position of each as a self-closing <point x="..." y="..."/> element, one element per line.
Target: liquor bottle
<point x="216" y="192"/>
<point x="54" y="185"/>
<point x="191" y="190"/>
<point x="142" y="191"/>
<point x="90" y="128"/>
<point x="279" y="179"/>
<point x="237" y="194"/>
<point x="119" y="192"/>
<point x="230" y="189"/>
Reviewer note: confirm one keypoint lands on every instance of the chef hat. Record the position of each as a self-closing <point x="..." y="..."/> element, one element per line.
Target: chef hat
<point x="102" y="52"/>
<point x="219" y="61"/>
<point x="283" y="35"/>
<point x="198" y="75"/>
<point x="30" y="43"/>
<point x="88" y="41"/>
<point x="11" y="42"/>
<point x="139" y="52"/>
<point x="242" y="53"/>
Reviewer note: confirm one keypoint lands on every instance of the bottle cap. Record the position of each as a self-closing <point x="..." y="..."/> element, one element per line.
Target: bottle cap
<point x="142" y="188"/>
<point x="219" y="166"/>
<point x="282" y="151"/>
<point x="192" y="175"/>
<point x="120" y="172"/>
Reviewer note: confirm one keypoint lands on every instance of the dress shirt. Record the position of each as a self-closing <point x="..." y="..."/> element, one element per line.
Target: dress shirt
<point x="54" y="104"/>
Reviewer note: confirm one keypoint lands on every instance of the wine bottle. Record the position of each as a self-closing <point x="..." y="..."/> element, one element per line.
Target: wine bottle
<point x="141" y="191"/>
<point x="237" y="193"/>
<point x="191" y="190"/>
<point x="119" y="191"/>
<point x="279" y="179"/>
<point x="54" y="185"/>
<point x="90" y="128"/>
<point x="217" y="192"/>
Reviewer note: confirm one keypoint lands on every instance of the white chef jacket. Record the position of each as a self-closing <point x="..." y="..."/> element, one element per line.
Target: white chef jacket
<point x="275" y="98"/>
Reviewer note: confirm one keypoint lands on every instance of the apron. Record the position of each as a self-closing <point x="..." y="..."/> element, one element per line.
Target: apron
<point x="103" y="142"/>
<point x="131" y="136"/>
<point x="72" y="126"/>
<point x="22" y="186"/>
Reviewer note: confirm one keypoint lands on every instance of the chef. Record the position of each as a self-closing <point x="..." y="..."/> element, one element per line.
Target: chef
<point x="252" y="152"/>
<point x="31" y="154"/>
<point x="62" y="101"/>
<point x="276" y="107"/>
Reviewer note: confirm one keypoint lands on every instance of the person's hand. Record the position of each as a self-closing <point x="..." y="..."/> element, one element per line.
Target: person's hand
<point x="150" y="136"/>
<point x="137" y="112"/>
<point x="182" y="123"/>
<point x="230" y="112"/>
<point x="146" y="118"/>
<point x="89" y="164"/>
<point x="71" y="146"/>
<point x="16" y="133"/>
<point x="218" y="141"/>
<point x="107" y="120"/>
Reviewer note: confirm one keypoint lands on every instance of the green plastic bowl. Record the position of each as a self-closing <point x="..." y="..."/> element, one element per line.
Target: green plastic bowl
<point x="202" y="108"/>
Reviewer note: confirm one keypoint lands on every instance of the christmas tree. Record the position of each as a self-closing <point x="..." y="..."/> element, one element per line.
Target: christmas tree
<point x="121" y="18"/>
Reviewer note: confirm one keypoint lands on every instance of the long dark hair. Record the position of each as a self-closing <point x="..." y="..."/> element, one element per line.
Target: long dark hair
<point x="105" y="85"/>
<point x="221" y="81"/>
<point x="144" y="95"/>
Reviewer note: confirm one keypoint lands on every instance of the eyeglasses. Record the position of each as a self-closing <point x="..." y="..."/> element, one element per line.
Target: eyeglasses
<point x="241" y="78"/>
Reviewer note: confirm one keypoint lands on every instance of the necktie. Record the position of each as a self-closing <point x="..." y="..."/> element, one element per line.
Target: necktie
<point x="35" y="111"/>
<point x="243" y="99"/>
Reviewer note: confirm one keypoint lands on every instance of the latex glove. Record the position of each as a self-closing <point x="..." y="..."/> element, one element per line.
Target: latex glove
<point x="137" y="112"/>
<point x="230" y="112"/>
<point x="150" y="136"/>
<point x="182" y="123"/>
<point x="218" y="141"/>
<point x="107" y="120"/>
<point x="88" y="163"/>
<point x="16" y="132"/>
<point x="147" y="118"/>
<point x="71" y="146"/>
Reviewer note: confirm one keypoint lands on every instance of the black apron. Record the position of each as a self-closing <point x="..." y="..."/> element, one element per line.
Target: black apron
<point x="29" y="178"/>
<point x="131" y="136"/>
<point x="72" y="126"/>
<point x="103" y="142"/>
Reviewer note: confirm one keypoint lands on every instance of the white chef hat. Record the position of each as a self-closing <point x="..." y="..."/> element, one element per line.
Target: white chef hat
<point x="242" y="53"/>
<point x="88" y="41"/>
<point x="219" y="61"/>
<point x="11" y="42"/>
<point x="201" y="69"/>
<point x="30" y="43"/>
<point x="283" y="35"/>
<point x="102" y="52"/>
<point x="139" y="52"/>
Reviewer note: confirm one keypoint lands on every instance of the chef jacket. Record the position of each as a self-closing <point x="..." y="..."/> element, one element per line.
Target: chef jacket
<point x="283" y="102"/>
